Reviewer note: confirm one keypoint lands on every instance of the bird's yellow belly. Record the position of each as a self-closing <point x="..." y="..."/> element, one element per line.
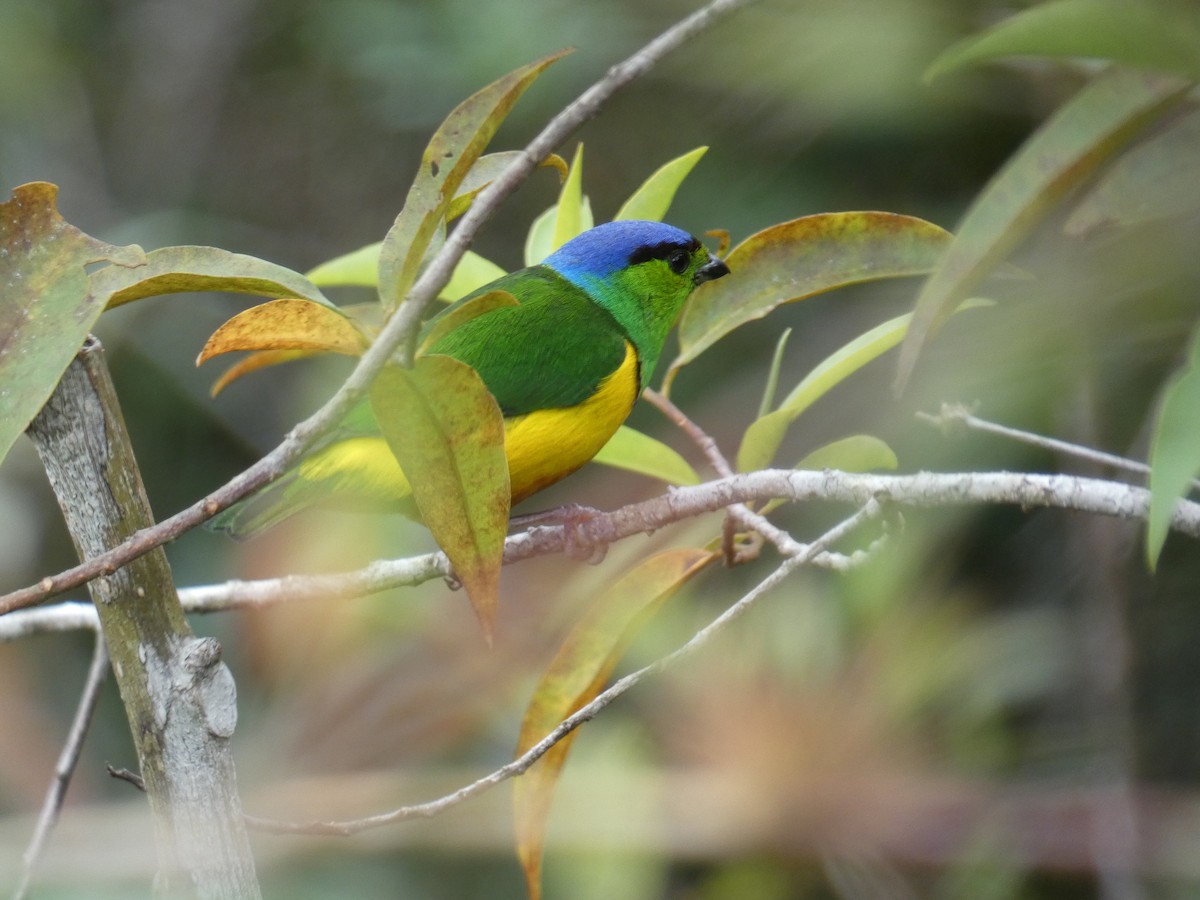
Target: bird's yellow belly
<point x="542" y="447"/>
<point x="550" y="444"/>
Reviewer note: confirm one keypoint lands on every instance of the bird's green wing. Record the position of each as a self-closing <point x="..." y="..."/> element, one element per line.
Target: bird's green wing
<point x="551" y="351"/>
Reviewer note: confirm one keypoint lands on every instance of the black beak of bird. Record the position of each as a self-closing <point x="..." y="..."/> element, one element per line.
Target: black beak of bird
<point x="714" y="268"/>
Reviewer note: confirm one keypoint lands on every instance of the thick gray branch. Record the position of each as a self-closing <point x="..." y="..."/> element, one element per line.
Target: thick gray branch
<point x="179" y="697"/>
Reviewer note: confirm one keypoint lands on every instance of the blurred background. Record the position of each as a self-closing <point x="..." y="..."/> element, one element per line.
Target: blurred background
<point x="1001" y="705"/>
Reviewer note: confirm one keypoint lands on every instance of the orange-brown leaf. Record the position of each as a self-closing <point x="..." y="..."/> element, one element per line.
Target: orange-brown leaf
<point x="286" y="325"/>
<point x="260" y="359"/>
<point x="576" y="675"/>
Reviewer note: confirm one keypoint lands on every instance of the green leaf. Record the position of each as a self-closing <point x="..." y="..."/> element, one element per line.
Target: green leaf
<point x="1163" y="36"/>
<point x="576" y="675"/>
<point x="772" y="385"/>
<point x="472" y="272"/>
<point x="569" y="217"/>
<point x="651" y="201"/>
<point x="453" y="149"/>
<point x="857" y="453"/>
<point x="1157" y="179"/>
<point x="541" y="236"/>
<point x="798" y="259"/>
<point x="174" y="270"/>
<point x="1174" y="450"/>
<point x="47" y="305"/>
<point x="763" y="437"/>
<point x="1087" y="131"/>
<point x="447" y="433"/>
<point x="358" y="268"/>
<point x="636" y="452"/>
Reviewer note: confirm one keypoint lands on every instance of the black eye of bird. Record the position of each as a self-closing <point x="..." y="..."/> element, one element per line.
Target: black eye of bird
<point x="678" y="261"/>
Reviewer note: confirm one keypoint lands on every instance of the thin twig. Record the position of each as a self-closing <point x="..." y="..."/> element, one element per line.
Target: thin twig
<point x="958" y="414"/>
<point x="67" y="760"/>
<point x="739" y="513"/>
<point x="125" y="775"/>
<point x="395" y="332"/>
<point x="585" y="713"/>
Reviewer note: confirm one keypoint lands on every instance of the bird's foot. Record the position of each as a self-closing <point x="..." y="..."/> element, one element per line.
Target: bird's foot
<point x="571" y="518"/>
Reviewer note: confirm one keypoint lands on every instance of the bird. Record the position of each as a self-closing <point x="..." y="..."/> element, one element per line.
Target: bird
<point x="565" y="365"/>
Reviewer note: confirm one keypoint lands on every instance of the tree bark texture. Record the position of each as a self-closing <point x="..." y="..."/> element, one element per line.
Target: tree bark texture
<point x="179" y="696"/>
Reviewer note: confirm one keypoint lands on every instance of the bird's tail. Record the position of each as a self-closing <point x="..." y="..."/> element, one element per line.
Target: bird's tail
<point x="263" y="509"/>
<point x="356" y="473"/>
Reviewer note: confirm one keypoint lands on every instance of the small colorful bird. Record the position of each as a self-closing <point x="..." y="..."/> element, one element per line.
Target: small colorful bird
<point x="565" y="364"/>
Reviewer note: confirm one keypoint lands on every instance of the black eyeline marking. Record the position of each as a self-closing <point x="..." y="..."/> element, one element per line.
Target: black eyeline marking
<point x="661" y="250"/>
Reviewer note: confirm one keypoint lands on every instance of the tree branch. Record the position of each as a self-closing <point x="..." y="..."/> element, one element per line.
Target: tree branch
<point x="179" y="697"/>
<point x="931" y="490"/>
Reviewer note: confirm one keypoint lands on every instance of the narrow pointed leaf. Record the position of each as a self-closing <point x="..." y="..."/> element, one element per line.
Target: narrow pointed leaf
<point x="174" y="270"/>
<point x="1151" y="34"/>
<point x="651" y="201"/>
<point x="636" y="452"/>
<point x="453" y="149"/>
<point x="1086" y="132"/>
<point x="260" y="359"/>
<point x="447" y="433"/>
<point x="801" y="258"/>
<point x="857" y="453"/>
<point x="772" y="385"/>
<point x="47" y="305"/>
<point x="286" y="325"/>
<point x="763" y="437"/>
<point x="568" y="215"/>
<point x="1174" y="450"/>
<point x="576" y="675"/>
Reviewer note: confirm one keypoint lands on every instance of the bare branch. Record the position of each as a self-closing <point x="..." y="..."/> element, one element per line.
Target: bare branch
<point x="394" y="334"/>
<point x="67" y="760"/>
<point x="585" y="713"/>
<point x="957" y="414"/>
<point x="931" y="490"/>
